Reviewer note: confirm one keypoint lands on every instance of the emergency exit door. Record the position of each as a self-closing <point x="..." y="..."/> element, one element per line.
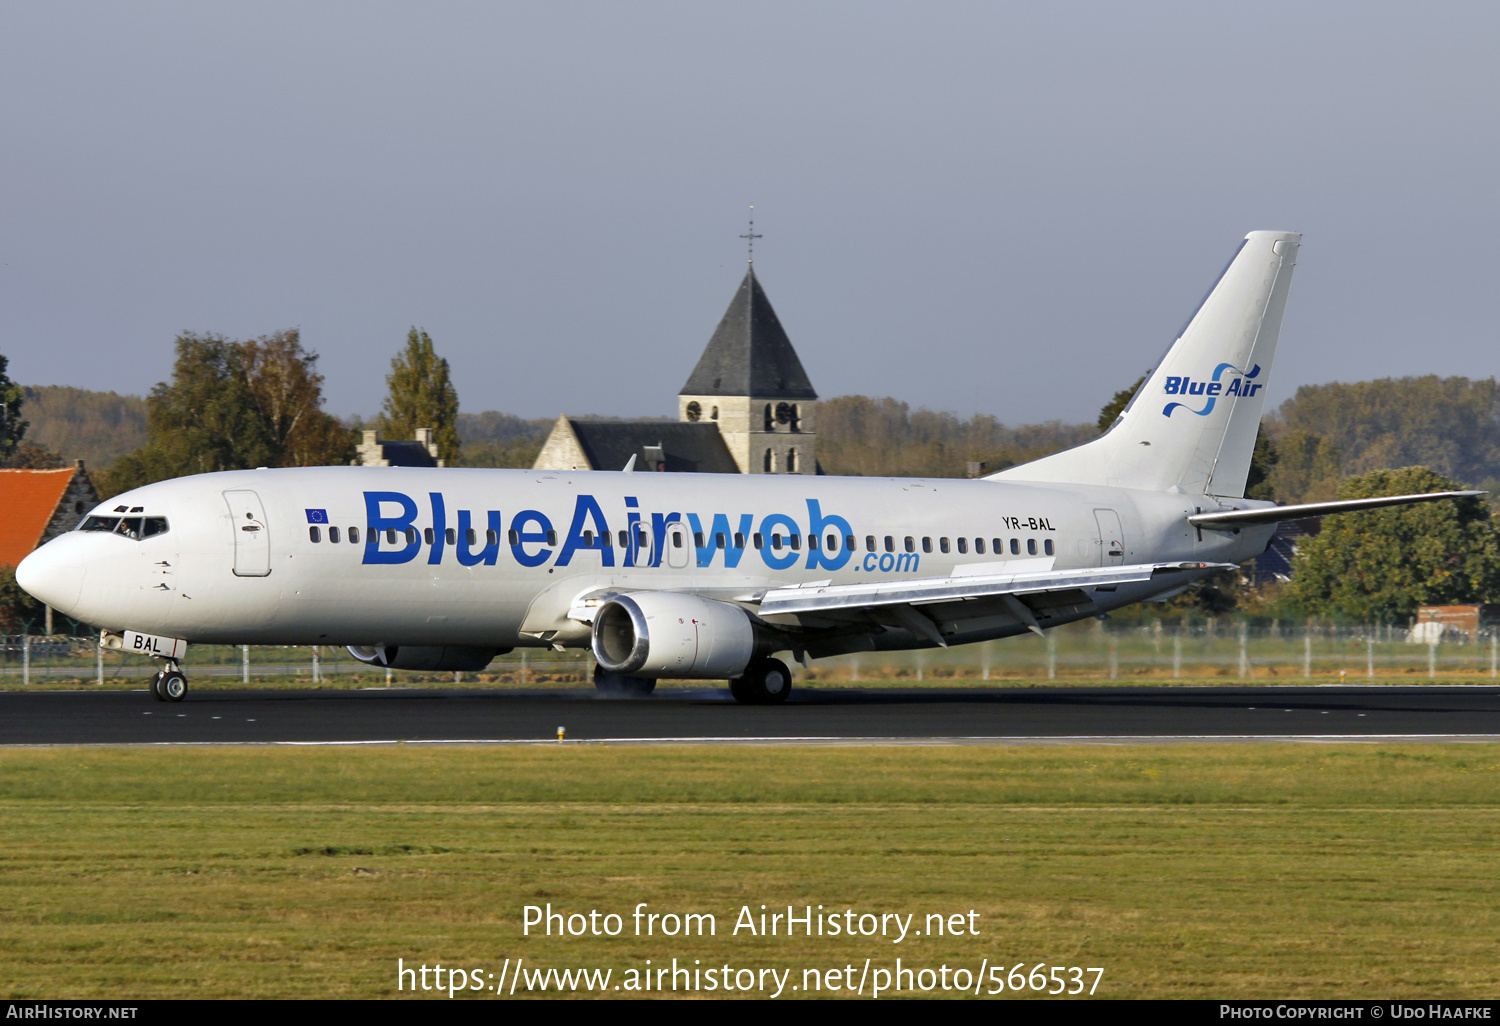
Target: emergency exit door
<point x="252" y="540"/>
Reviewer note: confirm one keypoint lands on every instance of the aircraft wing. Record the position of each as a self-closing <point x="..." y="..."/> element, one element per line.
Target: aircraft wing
<point x="1231" y="519"/>
<point x="901" y="600"/>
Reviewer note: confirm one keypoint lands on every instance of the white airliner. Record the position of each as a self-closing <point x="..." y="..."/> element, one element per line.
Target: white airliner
<point x="702" y="576"/>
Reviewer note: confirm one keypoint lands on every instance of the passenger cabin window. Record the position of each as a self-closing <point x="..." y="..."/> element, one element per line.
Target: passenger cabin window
<point x="1015" y="547"/>
<point x="718" y="541"/>
<point x="776" y="541"/>
<point x="1031" y="546"/>
<point x="427" y="535"/>
<point x="869" y="543"/>
<point x="411" y="536"/>
<point x="942" y="544"/>
<point x="314" y="534"/>
<point x="849" y="542"/>
<point x="739" y="540"/>
<point x="492" y="537"/>
<point x="354" y="535"/>
<point x="963" y="545"/>
<point x="978" y="546"/>
<point x="926" y="544"/>
<point x="812" y="542"/>
<point x="890" y="544"/>
<point x="911" y="544"/>
<point x="698" y="539"/>
<point x="451" y="534"/>
<point x="1047" y="546"/>
<point x="469" y="536"/>
<point x="588" y="539"/>
<point x="796" y="541"/>
<point x="333" y="534"/>
<point x="551" y="537"/>
<point x="757" y="540"/>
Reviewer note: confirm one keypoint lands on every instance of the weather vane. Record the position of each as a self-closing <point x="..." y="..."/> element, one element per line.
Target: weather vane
<point x="751" y="236"/>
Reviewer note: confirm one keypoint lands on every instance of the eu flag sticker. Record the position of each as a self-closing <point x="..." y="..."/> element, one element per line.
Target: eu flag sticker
<point x="317" y="516"/>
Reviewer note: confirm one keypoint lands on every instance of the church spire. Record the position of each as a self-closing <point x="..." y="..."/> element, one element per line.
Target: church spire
<point x="749" y="353"/>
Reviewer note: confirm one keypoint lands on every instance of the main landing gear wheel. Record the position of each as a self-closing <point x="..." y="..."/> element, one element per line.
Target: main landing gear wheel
<point x="622" y="686"/>
<point x="169" y="686"/>
<point x="764" y="682"/>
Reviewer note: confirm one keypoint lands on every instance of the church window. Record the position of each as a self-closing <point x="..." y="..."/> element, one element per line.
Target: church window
<point x="791" y="461"/>
<point x="693" y="411"/>
<point x="770" y="418"/>
<point x="714" y="414"/>
<point x="770" y="462"/>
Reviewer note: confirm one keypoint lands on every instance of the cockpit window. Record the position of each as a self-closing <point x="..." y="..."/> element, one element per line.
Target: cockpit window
<point x="130" y="527"/>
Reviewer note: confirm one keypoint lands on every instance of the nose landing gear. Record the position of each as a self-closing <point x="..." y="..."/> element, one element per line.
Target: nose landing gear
<point x="170" y="683"/>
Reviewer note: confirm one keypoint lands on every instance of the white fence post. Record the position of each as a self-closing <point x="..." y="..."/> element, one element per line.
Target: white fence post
<point x="1244" y="657"/>
<point x="1431" y="659"/>
<point x="1114" y="658"/>
<point x="245" y="664"/>
<point x="26" y="659"/>
<point x="1370" y="655"/>
<point x="1177" y="654"/>
<point x="1051" y="657"/>
<point x="317" y="669"/>
<point x="99" y="658"/>
<point x="854" y="669"/>
<point x="1307" y="653"/>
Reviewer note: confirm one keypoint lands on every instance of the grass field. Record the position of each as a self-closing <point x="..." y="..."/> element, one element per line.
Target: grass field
<point x="1230" y="871"/>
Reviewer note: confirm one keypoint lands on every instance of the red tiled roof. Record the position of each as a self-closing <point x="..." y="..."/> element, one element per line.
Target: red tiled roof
<point x="28" y="498"/>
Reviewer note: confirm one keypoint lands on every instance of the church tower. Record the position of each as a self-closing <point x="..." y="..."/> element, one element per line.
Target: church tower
<point x="750" y="382"/>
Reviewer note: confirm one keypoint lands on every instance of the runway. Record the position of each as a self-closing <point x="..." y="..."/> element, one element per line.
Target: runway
<point x="812" y="716"/>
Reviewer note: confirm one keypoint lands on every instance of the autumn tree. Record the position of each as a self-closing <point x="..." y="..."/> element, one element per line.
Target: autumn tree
<point x="421" y="395"/>
<point x="12" y="427"/>
<point x="1380" y="565"/>
<point x="233" y="406"/>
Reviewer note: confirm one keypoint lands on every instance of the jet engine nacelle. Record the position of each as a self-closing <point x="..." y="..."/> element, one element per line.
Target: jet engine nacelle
<point x="425" y="657"/>
<point x="660" y="634"/>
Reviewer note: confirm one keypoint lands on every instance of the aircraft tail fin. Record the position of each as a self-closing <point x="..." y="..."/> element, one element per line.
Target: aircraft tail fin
<point x="1191" y="427"/>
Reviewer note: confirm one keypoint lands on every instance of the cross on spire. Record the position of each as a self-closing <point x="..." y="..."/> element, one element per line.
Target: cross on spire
<point x="750" y="235"/>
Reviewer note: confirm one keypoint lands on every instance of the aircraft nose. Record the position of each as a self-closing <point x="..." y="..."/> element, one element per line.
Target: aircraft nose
<point x="48" y="579"/>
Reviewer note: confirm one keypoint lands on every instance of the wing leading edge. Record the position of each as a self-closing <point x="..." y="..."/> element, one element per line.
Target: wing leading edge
<point x="850" y="598"/>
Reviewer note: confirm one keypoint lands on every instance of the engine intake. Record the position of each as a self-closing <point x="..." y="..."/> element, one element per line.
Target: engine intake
<point x="425" y="657"/>
<point x="661" y="634"/>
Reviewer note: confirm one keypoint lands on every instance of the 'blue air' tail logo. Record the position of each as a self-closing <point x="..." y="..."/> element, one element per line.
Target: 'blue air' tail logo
<point x="1240" y="386"/>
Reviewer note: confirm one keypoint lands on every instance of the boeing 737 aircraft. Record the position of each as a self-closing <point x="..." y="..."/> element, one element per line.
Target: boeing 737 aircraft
<point x="702" y="576"/>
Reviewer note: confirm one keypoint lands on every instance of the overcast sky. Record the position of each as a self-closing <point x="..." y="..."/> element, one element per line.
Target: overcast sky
<point x="998" y="208"/>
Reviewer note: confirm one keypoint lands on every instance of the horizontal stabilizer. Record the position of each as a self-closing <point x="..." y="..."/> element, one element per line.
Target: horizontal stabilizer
<point x="949" y="589"/>
<point x="1234" y="518"/>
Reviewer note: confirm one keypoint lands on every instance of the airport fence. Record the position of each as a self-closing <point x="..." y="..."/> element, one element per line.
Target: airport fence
<point x="1093" y="651"/>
